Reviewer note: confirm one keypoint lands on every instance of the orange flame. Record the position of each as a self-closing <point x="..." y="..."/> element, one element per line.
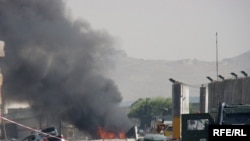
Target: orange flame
<point x="110" y="135"/>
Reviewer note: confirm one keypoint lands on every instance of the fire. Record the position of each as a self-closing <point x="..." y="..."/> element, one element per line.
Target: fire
<point x="110" y="135"/>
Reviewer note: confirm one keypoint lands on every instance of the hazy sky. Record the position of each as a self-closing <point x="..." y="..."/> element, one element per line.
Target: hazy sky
<point x="171" y="29"/>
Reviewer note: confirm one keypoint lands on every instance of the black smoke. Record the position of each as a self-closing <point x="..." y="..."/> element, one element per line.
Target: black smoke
<point x="58" y="65"/>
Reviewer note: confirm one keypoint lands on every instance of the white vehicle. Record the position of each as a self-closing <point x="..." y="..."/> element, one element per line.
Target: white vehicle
<point x="47" y="134"/>
<point x="154" y="137"/>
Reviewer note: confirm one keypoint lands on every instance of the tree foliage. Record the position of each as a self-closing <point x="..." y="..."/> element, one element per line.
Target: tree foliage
<point x="145" y="109"/>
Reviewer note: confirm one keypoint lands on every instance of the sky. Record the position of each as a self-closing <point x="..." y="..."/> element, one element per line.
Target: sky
<point x="170" y="29"/>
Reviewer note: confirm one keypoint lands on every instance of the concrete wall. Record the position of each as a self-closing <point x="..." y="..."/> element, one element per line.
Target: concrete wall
<point x="231" y="91"/>
<point x="180" y="100"/>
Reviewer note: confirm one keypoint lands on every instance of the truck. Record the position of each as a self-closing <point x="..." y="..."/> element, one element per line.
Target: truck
<point x="195" y="126"/>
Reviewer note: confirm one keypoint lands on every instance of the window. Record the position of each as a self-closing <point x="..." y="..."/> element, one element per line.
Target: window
<point x="199" y="124"/>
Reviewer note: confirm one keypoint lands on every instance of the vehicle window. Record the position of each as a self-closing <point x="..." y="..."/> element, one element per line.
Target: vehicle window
<point x="50" y="130"/>
<point x="197" y="124"/>
<point x="170" y="128"/>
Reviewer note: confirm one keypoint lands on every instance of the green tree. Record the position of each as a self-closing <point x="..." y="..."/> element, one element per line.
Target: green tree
<point x="145" y="109"/>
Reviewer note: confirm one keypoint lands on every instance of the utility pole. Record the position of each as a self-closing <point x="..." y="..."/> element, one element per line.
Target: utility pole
<point x="217" y="69"/>
<point x="2" y="103"/>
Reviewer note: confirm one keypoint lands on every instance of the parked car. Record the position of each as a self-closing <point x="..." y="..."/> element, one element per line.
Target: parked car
<point x="35" y="137"/>
<point x="46" y="134"/>
<point x="169" y="131"/>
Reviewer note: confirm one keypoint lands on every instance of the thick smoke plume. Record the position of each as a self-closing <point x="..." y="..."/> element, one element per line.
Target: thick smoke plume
<point x="58" y="65"/>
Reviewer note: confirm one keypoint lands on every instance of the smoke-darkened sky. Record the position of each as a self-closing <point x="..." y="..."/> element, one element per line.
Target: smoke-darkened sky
<point x="59" y="65"/>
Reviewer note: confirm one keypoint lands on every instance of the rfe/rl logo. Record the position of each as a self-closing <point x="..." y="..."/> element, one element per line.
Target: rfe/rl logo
<point x="229" y="132"/>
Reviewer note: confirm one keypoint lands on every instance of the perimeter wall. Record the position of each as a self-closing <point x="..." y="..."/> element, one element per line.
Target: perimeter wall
<point x="231" y="91"/>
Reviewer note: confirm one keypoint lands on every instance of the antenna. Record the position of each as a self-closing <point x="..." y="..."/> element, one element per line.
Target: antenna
<point x="216" y="57"/>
